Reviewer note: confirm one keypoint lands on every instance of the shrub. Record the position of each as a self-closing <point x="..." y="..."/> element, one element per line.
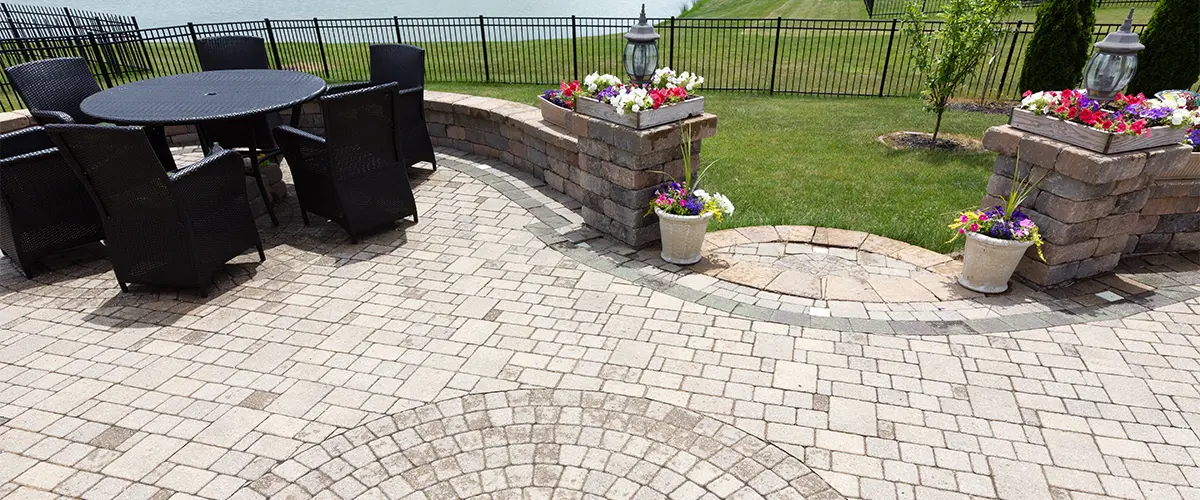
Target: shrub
<point x="1171" y="59"/>
<point x="947" y="56"/>
<point x="1058" y="51"/>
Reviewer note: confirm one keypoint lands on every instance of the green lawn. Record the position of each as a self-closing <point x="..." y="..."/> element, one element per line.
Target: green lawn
<point x="814" y="160"/>
<point x="854" y="9"/>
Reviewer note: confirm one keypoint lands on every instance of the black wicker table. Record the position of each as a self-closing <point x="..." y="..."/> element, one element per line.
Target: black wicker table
<point x="200" y="97"/>
<point x="204" y="97"/>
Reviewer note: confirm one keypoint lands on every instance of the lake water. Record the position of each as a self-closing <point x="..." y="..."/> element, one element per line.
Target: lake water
<point x="156" y="13"/>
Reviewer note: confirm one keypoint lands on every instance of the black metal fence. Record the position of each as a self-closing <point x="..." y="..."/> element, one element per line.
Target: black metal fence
<point x="32" y="30"/>
<point x="801" y="56"/>
<point x="893" y="8"/>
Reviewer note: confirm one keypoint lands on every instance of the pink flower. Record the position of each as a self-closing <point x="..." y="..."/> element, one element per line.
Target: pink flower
<point x="965" y="218"/>
<point x="974" y="227"/>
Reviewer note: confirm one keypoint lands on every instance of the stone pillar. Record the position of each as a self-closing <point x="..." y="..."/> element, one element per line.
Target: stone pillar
<point x="620" y="168"/>
<point x="1091" y="208"/>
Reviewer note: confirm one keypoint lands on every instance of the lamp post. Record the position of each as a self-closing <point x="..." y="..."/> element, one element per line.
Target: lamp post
<point x="1113" y="63"/>
<point x="641" y="50"/>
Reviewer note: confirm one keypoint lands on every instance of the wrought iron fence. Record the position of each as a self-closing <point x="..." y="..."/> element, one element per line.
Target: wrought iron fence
<point x="799" y="56"/>
<point x="893" y="8"/>
<point x="35" y="31"/>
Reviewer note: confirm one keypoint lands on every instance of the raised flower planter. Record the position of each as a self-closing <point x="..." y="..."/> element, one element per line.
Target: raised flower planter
<point x="693" y="106"/>
<point x="554" y="113"/>
<point x="1090" y="138"/>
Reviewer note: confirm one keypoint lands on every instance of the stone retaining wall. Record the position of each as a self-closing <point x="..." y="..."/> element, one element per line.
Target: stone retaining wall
<point x="1093" y="208"/>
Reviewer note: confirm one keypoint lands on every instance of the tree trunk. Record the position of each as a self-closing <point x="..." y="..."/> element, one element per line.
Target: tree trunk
<point x="937" y="127"/>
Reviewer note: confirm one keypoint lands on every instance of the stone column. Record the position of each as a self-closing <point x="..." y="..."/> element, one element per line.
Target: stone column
<point x="1091" y="208"/>
<point x="620" y="168"/>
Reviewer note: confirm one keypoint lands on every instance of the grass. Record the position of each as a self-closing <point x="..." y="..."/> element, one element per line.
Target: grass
<point x="854" y="9"/>
<point x="814" y="160"/>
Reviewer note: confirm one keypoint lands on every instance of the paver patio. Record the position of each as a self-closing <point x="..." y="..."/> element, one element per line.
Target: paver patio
<point x="499" y="348"/>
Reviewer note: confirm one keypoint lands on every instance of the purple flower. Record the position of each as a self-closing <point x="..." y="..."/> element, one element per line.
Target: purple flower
<point x="692" y="205"/>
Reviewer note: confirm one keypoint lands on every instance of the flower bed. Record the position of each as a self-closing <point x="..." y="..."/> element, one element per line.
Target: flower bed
<point x="1186" y="99"/>
<point x="667" y="98"/>
<point x="1128" y="123"/>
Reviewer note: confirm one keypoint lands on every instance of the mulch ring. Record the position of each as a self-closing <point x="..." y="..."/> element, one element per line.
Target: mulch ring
<point x="922" y="140"/>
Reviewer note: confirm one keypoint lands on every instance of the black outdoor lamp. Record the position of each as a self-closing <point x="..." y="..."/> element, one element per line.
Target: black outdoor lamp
<point x="641" y="50"/>
<point x="1113" y="63"/>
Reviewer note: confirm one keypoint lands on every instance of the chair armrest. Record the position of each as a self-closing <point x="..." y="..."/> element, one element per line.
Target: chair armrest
<point x="303" y="151"/>
<point x="24" y="141"/>
<point x="410" y="90"/>
<point x="207" y="177"/>
<point x="44" y="117"/>
<point x="345" y="87"/>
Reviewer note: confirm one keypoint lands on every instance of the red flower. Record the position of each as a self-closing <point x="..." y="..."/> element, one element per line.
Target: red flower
<point x="1072" y="113"/>
<point x="1138" y="127"/>
<point x="1106" y="124"/>
<point x="1027" y="93"/>
<point x="1121" y="127"/>
<point x="1087" y="116"/>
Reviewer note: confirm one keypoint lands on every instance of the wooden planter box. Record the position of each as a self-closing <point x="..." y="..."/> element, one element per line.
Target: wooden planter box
<point x="642" y="119"/>
<point x="1090" y="138"/>
<point x="554" y="113"/>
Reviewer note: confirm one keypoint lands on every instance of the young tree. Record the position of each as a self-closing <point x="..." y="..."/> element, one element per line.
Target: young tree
<point x="1058" y="51"/>
<point x="1171" y="59"/>
<point x="947" y="56"/>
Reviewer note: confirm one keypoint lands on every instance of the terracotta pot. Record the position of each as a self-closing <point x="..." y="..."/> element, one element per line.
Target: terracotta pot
<point x="682" y="236"/>
<point x="989" y="262"/>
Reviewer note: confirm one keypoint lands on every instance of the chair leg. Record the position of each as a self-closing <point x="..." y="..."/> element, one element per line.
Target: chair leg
<point x="262" y="257"/>
<point x="415" y="218"/>
<point x="204" y="292"/>
<point x="27" y="271"/>
<point x="304" y="216"/>
<point x="262" y="190"/>
<point x="434" y="163"/>
<point x="124" y="287"/>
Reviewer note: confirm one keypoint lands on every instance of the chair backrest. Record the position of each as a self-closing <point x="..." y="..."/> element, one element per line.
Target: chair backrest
<point x="232" y="52"/>
<point x="403" y="64"/>
<point x="359" y="129"/>
<point x="120" y="170"/>
<point x="58" y="84"/>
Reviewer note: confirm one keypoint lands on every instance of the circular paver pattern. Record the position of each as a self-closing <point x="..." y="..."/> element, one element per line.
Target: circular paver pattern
<point x="544" y="443"/>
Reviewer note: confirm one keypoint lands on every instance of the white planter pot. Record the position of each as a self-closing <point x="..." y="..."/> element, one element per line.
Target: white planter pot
<point x="682" y="236"/>
<point x="989" y="262"/>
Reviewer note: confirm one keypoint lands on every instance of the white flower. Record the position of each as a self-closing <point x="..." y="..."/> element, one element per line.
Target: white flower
<point x="1178" y="116"/>
<point x="724" y="203"/>
<point x="700" y="193"/>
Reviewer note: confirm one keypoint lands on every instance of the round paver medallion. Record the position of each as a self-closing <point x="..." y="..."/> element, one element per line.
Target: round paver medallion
<point x="544" y="443"/>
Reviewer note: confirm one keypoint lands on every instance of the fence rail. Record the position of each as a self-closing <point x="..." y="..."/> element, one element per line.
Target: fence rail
<point x="796" y="56"/>
<point x="895" y="8"/>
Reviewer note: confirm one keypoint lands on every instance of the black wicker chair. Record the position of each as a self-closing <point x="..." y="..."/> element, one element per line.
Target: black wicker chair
<point x="174" y="229"/>
<point x="404" y="65"/>
<point x="249" y="136"/>
<point x="43" y="206"/>
<point x="52" y="89"/>
<point x="351" y="176"/>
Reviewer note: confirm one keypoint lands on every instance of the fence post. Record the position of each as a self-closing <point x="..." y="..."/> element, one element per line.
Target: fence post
<point x="15" y="33"/>
<point x="274" y="47"/>
<point x="775" y="58"/>
<point x="671" y="32"/>
<point x="887" y="60"/>
<point x="149" y="66"/>
<point x="487" y="72"/>
<point x="75" y="32"/>
<point x="574" y="46"/>
<point x="396" y="24"/>
<point x="1011" y="48"/>
<point x="321" y="45"/>
<point x="100" y="62"/>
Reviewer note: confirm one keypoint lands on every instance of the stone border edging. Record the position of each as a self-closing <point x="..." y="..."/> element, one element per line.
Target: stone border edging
<point x="577" y="243"/>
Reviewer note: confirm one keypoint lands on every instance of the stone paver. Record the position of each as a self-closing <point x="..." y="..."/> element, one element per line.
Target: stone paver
<point x="291" y="378"/>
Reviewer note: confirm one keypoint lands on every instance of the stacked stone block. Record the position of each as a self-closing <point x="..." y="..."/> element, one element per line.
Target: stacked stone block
<point x="612" y="171"/>
<point x="1091" y="208"/>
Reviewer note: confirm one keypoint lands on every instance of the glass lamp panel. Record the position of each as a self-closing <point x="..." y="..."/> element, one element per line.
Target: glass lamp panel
<point x="1107" y="73"/>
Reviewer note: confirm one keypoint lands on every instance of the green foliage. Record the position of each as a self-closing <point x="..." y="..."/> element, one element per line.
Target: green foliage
<point x="1059" y="48"/>
<point x="1171" y="59"/>
<point x="947" y="56"/>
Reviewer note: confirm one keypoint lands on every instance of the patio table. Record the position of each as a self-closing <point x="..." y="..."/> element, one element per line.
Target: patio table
<point x="201" y="97"/>
<point x="205" y="96"/>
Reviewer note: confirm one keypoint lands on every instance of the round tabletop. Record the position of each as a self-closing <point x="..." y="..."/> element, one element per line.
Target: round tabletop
<point x="204" y="96"/>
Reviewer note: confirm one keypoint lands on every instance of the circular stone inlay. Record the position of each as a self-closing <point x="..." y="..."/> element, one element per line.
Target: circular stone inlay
<point x="822" y="260"/>
<point x="544" y="443"/>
